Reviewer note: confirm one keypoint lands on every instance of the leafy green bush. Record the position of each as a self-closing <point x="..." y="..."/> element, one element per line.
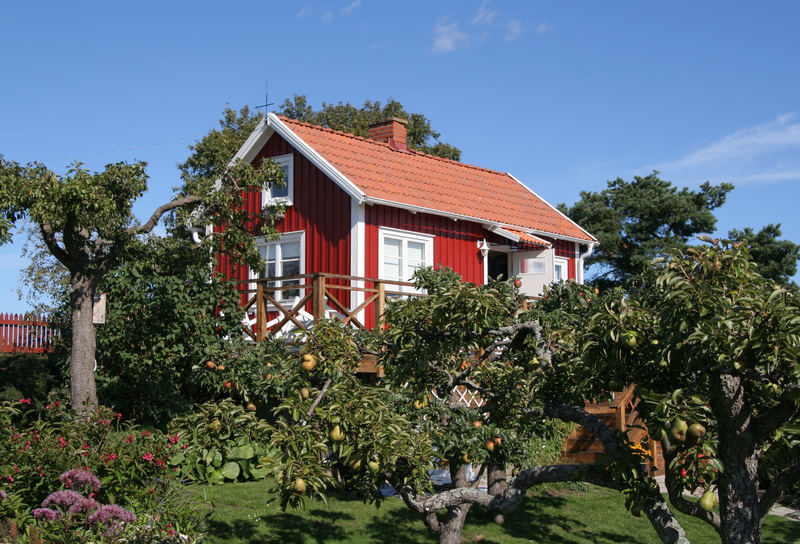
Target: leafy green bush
<point x="166" y="315"/>
<point x="223" y="442"/>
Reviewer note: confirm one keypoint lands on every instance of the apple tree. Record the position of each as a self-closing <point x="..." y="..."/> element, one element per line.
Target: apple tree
<point x="85" y="221"/>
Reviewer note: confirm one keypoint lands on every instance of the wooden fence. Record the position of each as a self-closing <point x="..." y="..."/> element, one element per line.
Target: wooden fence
<point x="277" y="306"/>
<point x="29" y="334"/>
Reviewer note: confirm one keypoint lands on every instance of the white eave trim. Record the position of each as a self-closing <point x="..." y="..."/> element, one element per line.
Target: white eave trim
<point x="531" y="191"/>
<point x="316" y="159"/>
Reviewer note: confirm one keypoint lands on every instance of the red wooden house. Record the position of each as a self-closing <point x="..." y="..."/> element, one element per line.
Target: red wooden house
<point x="372" y="208"/>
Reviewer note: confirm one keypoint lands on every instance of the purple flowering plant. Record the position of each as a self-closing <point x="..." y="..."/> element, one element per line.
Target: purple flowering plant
<point x="96" y="460"/>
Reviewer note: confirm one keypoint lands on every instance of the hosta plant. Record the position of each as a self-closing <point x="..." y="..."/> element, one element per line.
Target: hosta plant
<point x="224" y="441"/>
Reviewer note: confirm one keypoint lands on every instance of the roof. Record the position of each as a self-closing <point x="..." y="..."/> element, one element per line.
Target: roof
<point x="384" y="175"/>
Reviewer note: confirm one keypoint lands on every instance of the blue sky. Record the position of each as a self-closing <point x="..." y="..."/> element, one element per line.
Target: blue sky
<point x="564" y="95"/>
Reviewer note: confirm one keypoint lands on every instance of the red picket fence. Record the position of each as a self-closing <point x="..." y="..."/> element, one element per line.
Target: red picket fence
<point x="29" y="334"/>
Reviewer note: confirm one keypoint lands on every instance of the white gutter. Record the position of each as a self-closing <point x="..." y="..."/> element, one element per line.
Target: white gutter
<point x="584" y="256"/>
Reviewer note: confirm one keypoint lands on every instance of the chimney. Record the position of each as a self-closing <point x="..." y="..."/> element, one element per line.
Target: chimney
<point x="391" y="131"/>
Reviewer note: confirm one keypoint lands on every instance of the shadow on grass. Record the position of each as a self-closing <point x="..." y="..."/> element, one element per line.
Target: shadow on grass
<point x="543" y="518"/>
<point x="398" y="527"/>
<point x="780" y="530"/>
<point x="317" y="526"/>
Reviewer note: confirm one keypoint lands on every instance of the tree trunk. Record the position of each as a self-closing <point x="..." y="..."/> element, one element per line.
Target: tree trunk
<point x="83" y="394"/>
<point x="451" y="525"/>
<point x="496" y="484"/>
<point x="738" y="484"/>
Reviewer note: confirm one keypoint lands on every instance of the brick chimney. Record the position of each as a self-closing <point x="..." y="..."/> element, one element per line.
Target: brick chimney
<point x="391" y="131"/>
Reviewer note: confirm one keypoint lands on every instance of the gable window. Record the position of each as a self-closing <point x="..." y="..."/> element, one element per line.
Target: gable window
<point x="283" y="194"/>
<point x="282" y="258"/>
<point x="560" y="269"/>
<point x="400" y="253"/>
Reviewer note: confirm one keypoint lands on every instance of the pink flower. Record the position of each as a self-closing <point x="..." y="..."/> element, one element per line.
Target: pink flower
<point x="119" y="416"/>
<point x="62" y="441"/>
<point x="175" y="438"/>
<point x="25" y="401"/>
<point x="129" y="439"/>
<point x="147" y="456"/>
<point x="110" y="457"/>
<point x="683" y="473"/>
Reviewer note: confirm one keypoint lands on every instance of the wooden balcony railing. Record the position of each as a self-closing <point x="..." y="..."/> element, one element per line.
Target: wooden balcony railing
<point x="288" y="304"/>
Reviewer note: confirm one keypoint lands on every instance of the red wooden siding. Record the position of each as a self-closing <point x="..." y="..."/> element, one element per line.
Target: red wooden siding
<point x="455" y="243"/>
<point x="319" y="208"/>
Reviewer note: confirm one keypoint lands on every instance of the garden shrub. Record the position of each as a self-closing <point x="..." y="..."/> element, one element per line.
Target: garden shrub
<point x="129" y="467"/>
<point x="223" y="442"/>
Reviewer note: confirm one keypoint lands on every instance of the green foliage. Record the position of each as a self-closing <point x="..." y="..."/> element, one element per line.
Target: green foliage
<point x="37" y="448"/>
<point x="640" y="220"/>
<point x="224" y="442"/>
<point x="32" y="376"/>
<point x="715" y="343"/>
<point x="349" y="118"/>
<point x="250" y="373"/>
<point x="776" y="259"/>
<point x="166" y="315"/>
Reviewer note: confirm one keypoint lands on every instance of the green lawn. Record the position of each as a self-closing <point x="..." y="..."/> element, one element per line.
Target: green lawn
<point x="241" y="516"/>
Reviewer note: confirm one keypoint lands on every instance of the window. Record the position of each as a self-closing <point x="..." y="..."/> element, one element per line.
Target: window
<point x="560" y="269"/>
<point x="284" y="257"/>
<point x="534" y="265"/>
<point x="400" y="253"/>
<point x="284" y="194"/>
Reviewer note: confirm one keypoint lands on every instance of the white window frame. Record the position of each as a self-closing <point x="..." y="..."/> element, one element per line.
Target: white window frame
<point x="564" y="263"/>
<point x="288" y="237"/>
<point x="266" y="194"/>
<point x="404" y="236"/>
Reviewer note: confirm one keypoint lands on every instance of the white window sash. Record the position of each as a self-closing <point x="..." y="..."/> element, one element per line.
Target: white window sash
<point x="421" y="244"/>
<point x="285" y="162"/>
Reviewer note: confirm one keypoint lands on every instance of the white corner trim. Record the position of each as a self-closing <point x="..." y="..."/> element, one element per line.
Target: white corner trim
<point x="358" y="250"/>
<point x="554" y="209"/>
<point x="316" y="159"/>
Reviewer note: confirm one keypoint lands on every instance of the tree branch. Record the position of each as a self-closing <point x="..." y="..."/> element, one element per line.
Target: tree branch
<point x="783" y="480"/>
<point x="50" y="241"/>
<point x="786" y="409"/>
<point x="588" y="421"/>
<point x="317" y="400"/>
<point x="161" y="210"/>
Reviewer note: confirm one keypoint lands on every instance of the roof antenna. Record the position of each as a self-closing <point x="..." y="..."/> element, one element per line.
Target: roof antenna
<point x="267" y="103"/>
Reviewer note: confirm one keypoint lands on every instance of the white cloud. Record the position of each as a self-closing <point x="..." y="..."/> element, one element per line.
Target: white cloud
<point x="484" y="15"/>
<point x="769" y="152"/>
<point x="349" y="8"/>
<point x="542" y="27"/>
<point x="305" y="11"/>
<point x="448" y="36"/>
<point x="747" y="142"/>
<point x="514" y="29"/>
<point x="327" y="17"/>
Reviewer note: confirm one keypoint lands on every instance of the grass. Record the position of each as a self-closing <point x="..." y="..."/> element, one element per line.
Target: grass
<point x="558" y="515"/>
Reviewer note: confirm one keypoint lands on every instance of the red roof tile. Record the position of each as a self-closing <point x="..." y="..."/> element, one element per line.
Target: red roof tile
<point x="425" y="181"/>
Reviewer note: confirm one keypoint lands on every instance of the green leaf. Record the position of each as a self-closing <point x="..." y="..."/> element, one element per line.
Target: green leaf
<point x="230" y="470"/>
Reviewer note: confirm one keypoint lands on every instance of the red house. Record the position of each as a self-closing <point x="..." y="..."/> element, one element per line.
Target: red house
<point x="372" y="208"/>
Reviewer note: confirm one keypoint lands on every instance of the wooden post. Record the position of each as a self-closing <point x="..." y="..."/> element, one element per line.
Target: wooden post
<point x="380" y="303"/>
<point x="318" y="297"/>
<point x="621" y="416"/>
<point x="261" y="313"/>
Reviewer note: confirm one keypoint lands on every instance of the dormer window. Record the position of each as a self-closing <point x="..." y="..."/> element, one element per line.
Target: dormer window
<point x="283" y="194"/>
